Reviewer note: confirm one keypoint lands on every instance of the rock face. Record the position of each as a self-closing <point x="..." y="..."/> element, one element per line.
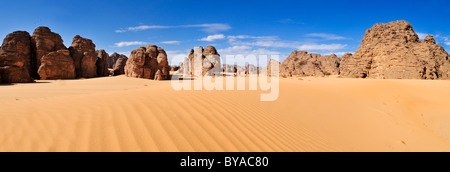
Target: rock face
<point x="148" y="62"/>
<point x="113" y="59"/>
<point x="202" y="62"/>
<point x="394" y="51"/>
<point x="304" y="64"/>
<point x="83" y="53"/>
<point x="57" y="65"/>
<point x="102" y="63"/>
<point x="15" y="58"/>
<point x="44" y="41"/>
<point x="119" y="67"/>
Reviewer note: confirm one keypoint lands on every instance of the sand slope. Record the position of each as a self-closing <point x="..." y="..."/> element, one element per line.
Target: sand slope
<point x="313" y="114"/>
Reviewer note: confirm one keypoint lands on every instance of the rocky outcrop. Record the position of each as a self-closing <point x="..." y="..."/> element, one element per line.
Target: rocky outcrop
<point x="251" y="69"/>
<point x="15" y="58"/>
<point x="394" y="51"/>
<point x="57" y="65"/>
<point x="119" y="67"/>
<point x="229" y="68"/>
<point x="302" y="63"/>
<point x="174" y="68"/>
<point x="113" y="59"/>
<point x="202" y="62"/>
<point x="44" y="41"/>
<point x="271" y="71"/>
<point x="83" y="53"/>
<point x="102" y="63"/>
<point x="148" y="62"/>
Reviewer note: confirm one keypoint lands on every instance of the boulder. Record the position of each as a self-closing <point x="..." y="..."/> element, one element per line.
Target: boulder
<point x="44" y="41"/>
<point x="113" y="59"/>
<point x="57" y="65"/>
<point x="202" y="62"/>
<point x="302" y="63"/>
<point x="148" y="62"/>
<point x="83" y="53"/>
<point x="119" y="67"/>
<point x="102" y="63"/>
<point x="15" y="58"/>
<point x="394" y="51"/>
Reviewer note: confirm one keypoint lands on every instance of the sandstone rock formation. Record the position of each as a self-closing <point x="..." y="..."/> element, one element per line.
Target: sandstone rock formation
<point x="174" y="68"/>
<point x="394" y="51"/>
<point x="202" y="62"/>
<point x="83" y="53"/>
<point x="251" y="69"/>
<point x="15" y="58"/>
<point x="229" y="68"/>
<point x="44" y="41"/>
<point x="113" y="59"/>
<point x="102" y="63"/>
<point x="271" y="71"/>
<point x="148" y="62"/>
<point x="57" y="65"/>
<point x="119" y="67"/>
<point x="303" y="64"/>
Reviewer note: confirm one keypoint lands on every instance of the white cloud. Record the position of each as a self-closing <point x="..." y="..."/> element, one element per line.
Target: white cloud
<point x="244" y="51"/>
<point x="322" y="47"/>
<point x="275" y="42"/>
<point x="422" y="36"/>
<point x="126" y="53"/>
<point x="212" y="38"/>
<point x="171" y="42"/>
<point x="176" y="57"/>
<point x="212" y="28"/>
<point x="326" y="36"/>
<point x="447" y="43"/>
<point x="126" y="44"/>
<point x="286" y="21"/>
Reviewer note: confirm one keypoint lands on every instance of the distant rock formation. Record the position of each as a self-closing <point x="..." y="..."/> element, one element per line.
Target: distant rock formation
<point x="83" y="53"/>
<point x="15" y="58"/>
<point x="226" y="68"/>
<point x="57" y="65"/>
<point x="394" y="51"/>
<point x="44" y="41"/>
<point x="174" y="68"/>
<point x="113" y="59"/>
<point x="208" y="59"/>
<point x="302" y="63"/>
<point x="102" y="63"/>
<point x="148" y="62"/>
<point x="119" y="67"/>
<point x="271" y="64"/>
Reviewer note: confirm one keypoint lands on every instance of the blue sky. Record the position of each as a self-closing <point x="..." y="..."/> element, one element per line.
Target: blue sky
<point x="234" y="27"/>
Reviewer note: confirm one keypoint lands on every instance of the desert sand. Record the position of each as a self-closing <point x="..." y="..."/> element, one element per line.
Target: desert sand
<point x="311" y="114"/>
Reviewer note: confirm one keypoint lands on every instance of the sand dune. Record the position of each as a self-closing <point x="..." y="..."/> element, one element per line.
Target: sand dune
<point x="313" y="114"/>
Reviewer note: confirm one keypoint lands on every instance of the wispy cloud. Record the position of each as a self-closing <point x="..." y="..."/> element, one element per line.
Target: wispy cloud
<point x="422" y="36"/>
<point x="171" y="42"/>
<point x="126" y="44"/>
<point x="287" y="21"/>
<point x="212" y="38"/>
<point x="326" y="36"/>
<point x="245" y="51"/>
<point x="212" y="28"/>
<point x="275" y="42"/>
<point x="309" y="47"/>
